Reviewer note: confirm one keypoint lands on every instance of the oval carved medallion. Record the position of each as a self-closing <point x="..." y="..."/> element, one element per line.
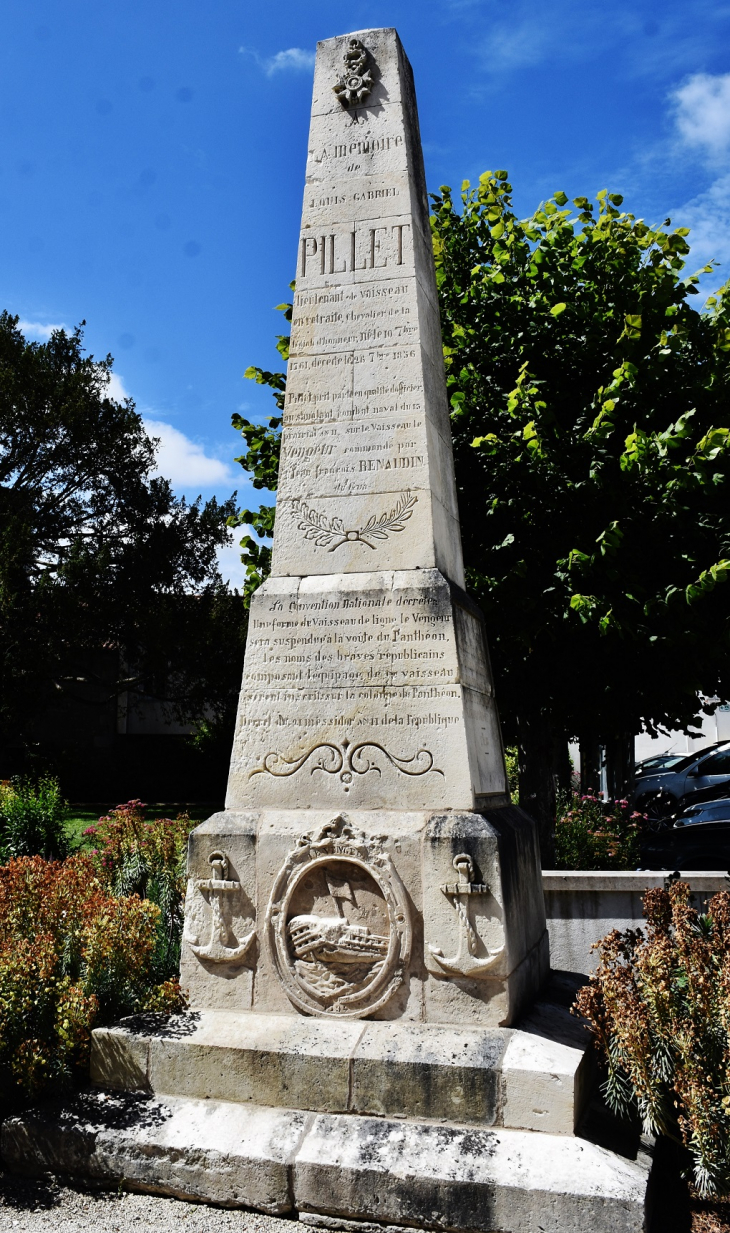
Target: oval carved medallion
<point x="338" y="925"/>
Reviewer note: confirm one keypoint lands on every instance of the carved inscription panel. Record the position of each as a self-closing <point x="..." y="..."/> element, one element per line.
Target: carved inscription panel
<point x="356" y="694"/>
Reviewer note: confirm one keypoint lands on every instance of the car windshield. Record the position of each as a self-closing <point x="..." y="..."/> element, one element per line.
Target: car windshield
<point x="656" y="766"/>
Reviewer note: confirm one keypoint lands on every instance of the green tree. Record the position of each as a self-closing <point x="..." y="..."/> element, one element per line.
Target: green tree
<point x="95" y="550"/>
<point x="591" y="430"/>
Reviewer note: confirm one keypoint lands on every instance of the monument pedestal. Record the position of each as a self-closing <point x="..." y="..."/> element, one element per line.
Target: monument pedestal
<point x="365" y="931"/>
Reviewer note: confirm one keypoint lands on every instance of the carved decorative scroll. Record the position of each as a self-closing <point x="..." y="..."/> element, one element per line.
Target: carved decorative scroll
<point x="356" y="83"/>
<point x="345" y="760"/>
<point x="465" y="961"/>
<point x="216" y="889"/>
<point x="338" y="923"/>
<point x="330" y="533"/>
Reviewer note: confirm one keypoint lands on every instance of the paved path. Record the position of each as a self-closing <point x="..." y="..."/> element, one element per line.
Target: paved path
<point x="37" y="1206"/>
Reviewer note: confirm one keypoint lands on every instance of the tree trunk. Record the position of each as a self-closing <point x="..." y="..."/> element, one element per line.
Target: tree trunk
<point x="537" y="779"/>
<point x="590" y="765"/>
<point x="620" y="765"/>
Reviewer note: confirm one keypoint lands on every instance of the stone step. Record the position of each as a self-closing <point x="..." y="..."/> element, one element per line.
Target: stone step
<point x="402" y="1172"/>
<point x="531" y="1079"/>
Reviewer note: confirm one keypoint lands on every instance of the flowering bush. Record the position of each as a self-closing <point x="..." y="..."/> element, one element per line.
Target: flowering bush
<point x="591" y="833"/>
<point x="134" y="857"/>
<point x="32" y="818"/>
<point x="659" y="1007"/>
<point x="72" y="956"/>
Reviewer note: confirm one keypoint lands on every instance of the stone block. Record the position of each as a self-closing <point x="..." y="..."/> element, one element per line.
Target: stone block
<point x="393" y="1172"/>
<point x="448" y="1177"/>
<point x="191" y="1149"/>
<point x="427" y="1072"/>
<point x="287" y="1061"/>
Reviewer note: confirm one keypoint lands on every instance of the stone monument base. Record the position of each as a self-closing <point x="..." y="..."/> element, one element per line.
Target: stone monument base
<point x="396" y="1123"/>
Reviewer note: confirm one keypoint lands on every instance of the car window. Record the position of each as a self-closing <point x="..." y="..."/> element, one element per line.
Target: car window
<point x="718" y="764"/>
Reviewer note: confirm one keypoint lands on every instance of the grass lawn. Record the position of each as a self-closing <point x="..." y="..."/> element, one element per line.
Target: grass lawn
<point x="87" y="813"/>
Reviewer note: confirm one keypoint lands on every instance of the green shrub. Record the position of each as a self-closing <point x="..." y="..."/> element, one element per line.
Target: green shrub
<point x="32" y="816"/>
<point x="591" y="833"/>
<point x="659" y="1008"/>
<point x="134" y="857"/>
<point x="72" y="957"/>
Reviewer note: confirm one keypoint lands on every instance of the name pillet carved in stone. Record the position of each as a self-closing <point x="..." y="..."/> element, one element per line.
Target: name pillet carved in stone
<point x="345" y="760"/>
<point x="465" y="961"/>
<point x="337" y="963"/>
<point x="215" y="889"/>
<point x="330" y="533"/>
<point x="356" y="83"/>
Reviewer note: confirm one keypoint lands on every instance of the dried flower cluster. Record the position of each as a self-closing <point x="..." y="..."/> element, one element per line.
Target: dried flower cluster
<point x="72" y="956"/>
<point x="591" y="833"/>
<point x="659" y="1007"/>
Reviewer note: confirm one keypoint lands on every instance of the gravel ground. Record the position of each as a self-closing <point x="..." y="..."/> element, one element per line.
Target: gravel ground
<point x="40" y="1205"/>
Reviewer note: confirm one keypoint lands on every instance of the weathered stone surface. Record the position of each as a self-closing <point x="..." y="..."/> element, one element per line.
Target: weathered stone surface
<point x="446" y="1177"/>
<point x="531" y="1078"/>
<point x="366" y="344"/>
<point x="395" y="664"/>
<point x="358" y="1168"/>
<point x="193" y="1149"/>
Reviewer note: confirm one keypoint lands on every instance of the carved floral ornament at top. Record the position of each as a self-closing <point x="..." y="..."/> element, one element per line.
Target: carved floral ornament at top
<point x="356" y="83"/>
<point x="335" y="963"/>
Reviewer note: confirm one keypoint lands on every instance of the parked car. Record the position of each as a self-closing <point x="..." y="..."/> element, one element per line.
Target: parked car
<point x="714" y="815"/>
<point x="702" y="775"/>
<point x="664" y="761"/>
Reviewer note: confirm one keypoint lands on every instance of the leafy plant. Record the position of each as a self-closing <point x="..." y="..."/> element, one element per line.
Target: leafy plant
<point x="109" y="584"/>
<point x="72" y="957"/>
<point x="261" y="459"/>
<point x="659" y="1008"/>
<point x="591" y="427"/>
<point x="32" y="816"/>
<point x="134" y="857"/>
<point x="591" y="833"/>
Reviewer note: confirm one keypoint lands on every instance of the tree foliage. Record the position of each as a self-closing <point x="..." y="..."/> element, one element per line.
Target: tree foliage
<point x="591" y="427"/>
<point x="261" y="459"/>
<point x="591" y="434"/>
<point x="95" y="550"/>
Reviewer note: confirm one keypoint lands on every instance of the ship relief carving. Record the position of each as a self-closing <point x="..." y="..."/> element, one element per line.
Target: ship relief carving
<point x="219" y="892"/>
<point x="338" y="923"/>
<point x="355" y="85"/>
<point x="346" y="760"/>
<point x="473" y="958"/>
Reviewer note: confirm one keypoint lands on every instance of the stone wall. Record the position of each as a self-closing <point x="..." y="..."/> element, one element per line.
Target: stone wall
<point x="582" y="907"/>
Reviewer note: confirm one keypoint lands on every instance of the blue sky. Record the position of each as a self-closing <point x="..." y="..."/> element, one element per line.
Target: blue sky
<point x="152" y="164"/>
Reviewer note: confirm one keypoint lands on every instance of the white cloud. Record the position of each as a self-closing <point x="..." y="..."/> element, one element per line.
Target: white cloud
<point x="37" y="329"/>
<point x="708" y="217"/>
<point x="292" y="59"/>
<point x="233" y="571"/>
<point x="184" y="462"/>
<point x="702" y="112"/>
<point x="117" y="390"/>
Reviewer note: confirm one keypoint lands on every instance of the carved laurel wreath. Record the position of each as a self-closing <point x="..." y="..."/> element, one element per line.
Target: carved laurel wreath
<point x="330" y="533"/>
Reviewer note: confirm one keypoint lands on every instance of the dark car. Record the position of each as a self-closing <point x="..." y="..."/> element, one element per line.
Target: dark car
<point x="713" y="815"/>
<point x="702" y="775"/>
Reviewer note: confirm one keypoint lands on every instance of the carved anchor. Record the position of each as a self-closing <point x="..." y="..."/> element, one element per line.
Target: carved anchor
<point x="219" y="885"/>
<point x="464" y="963"/>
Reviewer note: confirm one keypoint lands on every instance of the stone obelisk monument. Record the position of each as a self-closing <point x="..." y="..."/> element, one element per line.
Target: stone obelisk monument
<point x="364" y="922"/>
<point x="367" y="817"/>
